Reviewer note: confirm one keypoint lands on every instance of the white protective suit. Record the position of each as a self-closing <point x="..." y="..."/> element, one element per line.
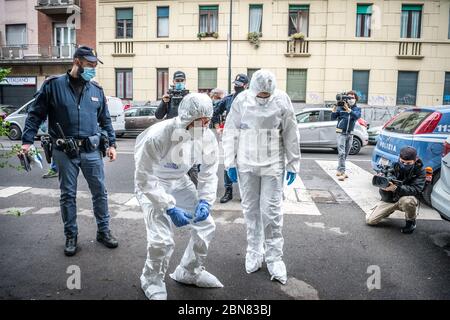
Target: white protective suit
<point x="162" y="160"/>
<point x="262" y="142"/>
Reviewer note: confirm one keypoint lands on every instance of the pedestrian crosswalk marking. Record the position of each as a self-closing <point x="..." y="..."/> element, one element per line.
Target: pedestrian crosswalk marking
<point x="360" y="189"/>
<point x="10" y="191"/>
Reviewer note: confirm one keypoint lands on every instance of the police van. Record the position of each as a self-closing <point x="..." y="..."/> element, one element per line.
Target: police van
<point x="425" y="129"/>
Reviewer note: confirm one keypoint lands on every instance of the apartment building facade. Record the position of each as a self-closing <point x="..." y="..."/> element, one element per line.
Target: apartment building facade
<point x="38" y="39"/>
<point x="392" y="52"/>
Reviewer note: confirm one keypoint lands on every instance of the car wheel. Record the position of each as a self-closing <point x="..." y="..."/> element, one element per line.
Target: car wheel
<point x="14" y="132"/>
<point x="426" y="193"/>
<point x="356" y="146"/>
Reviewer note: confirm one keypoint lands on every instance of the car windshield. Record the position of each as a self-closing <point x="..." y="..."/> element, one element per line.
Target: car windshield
<point x="407" y="121"/>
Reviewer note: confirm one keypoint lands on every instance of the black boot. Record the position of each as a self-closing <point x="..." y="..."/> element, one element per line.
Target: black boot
<point x="409" y="227"/>
<point x="71" y="246"/>
<point x="107" y="239"/>
<point x="227" y="196"/>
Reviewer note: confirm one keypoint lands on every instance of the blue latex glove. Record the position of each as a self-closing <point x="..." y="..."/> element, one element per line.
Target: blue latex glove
<point x="290" y="177"/>
<point x="232" y="174"/>
<point x="179" y="216"/>
<point x="202" y="211"/>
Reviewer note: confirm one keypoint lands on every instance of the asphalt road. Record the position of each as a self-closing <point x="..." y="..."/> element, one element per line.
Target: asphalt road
<point x="328" y="248"/>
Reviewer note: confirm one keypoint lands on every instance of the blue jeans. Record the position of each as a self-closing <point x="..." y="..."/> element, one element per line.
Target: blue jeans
<point x="53" y="166"/>
<point x="227" y="181"/>
<point x="344" y="144"/>
<point x="91" y="164"/>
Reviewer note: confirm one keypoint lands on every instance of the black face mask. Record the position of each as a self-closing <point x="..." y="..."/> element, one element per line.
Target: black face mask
<point x="406" y="167"/>
<point x="239" y="89"/>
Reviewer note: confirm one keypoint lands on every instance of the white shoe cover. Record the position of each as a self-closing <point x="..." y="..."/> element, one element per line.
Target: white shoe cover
<point x="253" y="262"/>
<point x="277" y="271"/>
<point x="154" y="291"/>
<point x="203" y="279"/>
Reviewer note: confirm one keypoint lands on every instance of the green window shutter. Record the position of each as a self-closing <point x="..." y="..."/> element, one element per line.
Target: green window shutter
<point x="298" y="7"/>
<point x="209" y="7"/>
<point x="360" y="84"/>
<point x="407" y="87"/>
<point x="296" y="84"/>
<point x="411" y="7"/>
<point x="207" y="78"/>
<point x="124" y="14"/>
<point x="364" y="9"/>
<point x="256" y="6"/>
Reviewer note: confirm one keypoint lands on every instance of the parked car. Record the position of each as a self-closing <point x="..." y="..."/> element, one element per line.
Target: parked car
<point x="139" y="119"/>
<point x="17" y="118"/>
<point x="440" y="196"/>
<point x="6" y="110"/>
<point x="374" y="133"/>
<point x="425" y="129"/>
<point x="318" y="130"/>
<point x="116" y="111"/>
<point x="17" y="122"/>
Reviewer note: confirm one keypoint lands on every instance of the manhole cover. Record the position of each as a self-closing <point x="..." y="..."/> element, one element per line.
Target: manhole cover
<point x="322" y="196"/>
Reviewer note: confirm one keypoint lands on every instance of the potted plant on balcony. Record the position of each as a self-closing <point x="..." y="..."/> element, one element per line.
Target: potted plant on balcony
<point x="299" y="36"/>
<point x="215" y="35"/>
<point x="254" y="39"/>
<point x="201" y="35"/>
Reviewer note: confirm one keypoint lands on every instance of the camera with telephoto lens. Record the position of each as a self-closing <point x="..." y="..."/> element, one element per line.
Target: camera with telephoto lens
<point x="177" y="95"/>
<point x="385" y="177"/>
<point x="341" y="98"/>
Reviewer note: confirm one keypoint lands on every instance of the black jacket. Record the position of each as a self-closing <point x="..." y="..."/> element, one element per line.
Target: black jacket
<point x="413" y="183"/>
<point x="169" y="109"/>
<point x="57" y="100"/>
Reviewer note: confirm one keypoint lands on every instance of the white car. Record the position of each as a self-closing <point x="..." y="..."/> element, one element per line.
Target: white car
<point x="17" y="119"/>
<point x="440" y="196"/>
<point x="318" y="130"/>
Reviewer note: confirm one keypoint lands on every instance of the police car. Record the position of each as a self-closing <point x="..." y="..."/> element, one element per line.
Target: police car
<point x="424" y="128"/>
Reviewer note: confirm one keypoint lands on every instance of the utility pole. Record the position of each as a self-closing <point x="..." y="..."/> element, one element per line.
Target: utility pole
<point x="230" y="34"/>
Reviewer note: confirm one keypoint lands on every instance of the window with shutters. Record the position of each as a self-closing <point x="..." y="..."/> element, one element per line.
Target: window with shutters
<point x="209" y="16"/>
<point x="296" y="84"/>
<point x="360" y="84"/>
<point x="407" y="87"/>
<point x="163" y="22"/>
<point x="207" y="79"/>
<point x="411" y="21"/>
<point x="162" y="82"/>
<point x="124" y="83"/>
<point x="298" y="19"/>
<point x="363" y="20"/>
<point x="124" y="23"/>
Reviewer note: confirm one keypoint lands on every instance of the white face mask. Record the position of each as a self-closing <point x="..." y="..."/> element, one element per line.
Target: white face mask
<point x="262" y="101"/>
<point x="352" y="102"/>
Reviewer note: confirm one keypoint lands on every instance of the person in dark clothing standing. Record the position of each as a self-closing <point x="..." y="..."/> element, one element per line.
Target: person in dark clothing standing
<point x="221" y="110"/>
<point x="76" y="106"/>
<point x="168" y="108"/>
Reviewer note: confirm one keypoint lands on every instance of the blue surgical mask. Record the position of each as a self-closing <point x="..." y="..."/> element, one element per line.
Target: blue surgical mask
<point x="179" y="86"/>
<point x="88" y="74"/>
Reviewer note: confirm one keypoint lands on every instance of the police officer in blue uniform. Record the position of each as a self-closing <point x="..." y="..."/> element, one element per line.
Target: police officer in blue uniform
<point x="223" y="107"/>
<point x="76" y="105"/>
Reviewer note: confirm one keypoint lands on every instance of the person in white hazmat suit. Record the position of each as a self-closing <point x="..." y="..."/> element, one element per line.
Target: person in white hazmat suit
<point x="164" y="153"/>
<point x="261" y="142"/>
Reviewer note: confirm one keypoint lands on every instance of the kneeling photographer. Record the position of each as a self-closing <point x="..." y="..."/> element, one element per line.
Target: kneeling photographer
<point x="400" y="186"/>
<point x="168" y="108"/>
<point x="347" y="113"/>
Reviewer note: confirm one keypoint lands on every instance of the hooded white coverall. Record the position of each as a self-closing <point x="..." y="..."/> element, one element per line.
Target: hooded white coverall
<point x="162" y="159"/>
<point x="263" y="142"/>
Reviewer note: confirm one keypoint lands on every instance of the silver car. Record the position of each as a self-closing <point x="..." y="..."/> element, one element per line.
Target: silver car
<point x="440" y="196"/>
<point x="318" y="130"/>
<point x="17" y="122"/>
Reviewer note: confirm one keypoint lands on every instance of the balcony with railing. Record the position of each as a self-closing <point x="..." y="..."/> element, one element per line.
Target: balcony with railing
<point x="297" y="48"/>
<point x="51" y="7"/>
<point x="123" y="48"/>
<point x="34" y="53"/>
<point x="409" y="50"/>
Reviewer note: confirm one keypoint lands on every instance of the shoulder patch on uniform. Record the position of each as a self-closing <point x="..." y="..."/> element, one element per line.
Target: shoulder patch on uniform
<point x="95" y="83"/>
